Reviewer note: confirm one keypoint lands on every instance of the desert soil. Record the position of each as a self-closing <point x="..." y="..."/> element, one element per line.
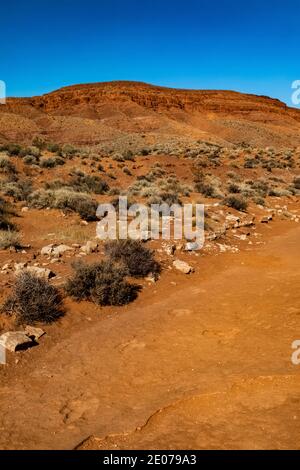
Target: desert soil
<point x="201" y="361"/>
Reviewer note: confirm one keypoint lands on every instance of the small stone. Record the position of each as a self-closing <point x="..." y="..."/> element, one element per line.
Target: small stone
<point x="266" y="219"/>
<point x="34" y="333"/>
<point x="182" y="266"/>
<point x="47" y="250"/>
<point x="89" y="247"/>
<point x="191" y="246"/>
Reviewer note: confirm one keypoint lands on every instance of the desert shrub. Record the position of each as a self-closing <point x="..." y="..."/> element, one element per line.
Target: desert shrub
<point x="89" y="184"/>
<point x="53" y="148"/>
<point x="12" y="149"/>
<point x="41" y="198"/>
<point x="86" y="208"/>
<point x="83" y="281"/>
<point x="31" y="160"/>
<point x="39" y="143"/>
<point x="169" y="198"/>
<point x="101" y="282"/>
<point x="234" y="188"/>
<point x="127" y="171"/>
<point x="207" y="189"/>
<point x="6" y="166"/>
<point x="138" y="259"/>
<point x="236" y="202"/>
<point x="19" y="190"/>
<point x="128" y="155"/>
<point x="296" y="182"/>
<point x="5" y="214"/>
<point x="68" y="150"/>
<point x="33" y="151"/>
<point x="34" y="300"/>
<point x="51" y="162"/>
<point x="118" y="157"/>
<point x="76" y="202"/>
<point x="9" y="239"/>
<point x="250" y="163"/>
<point x="65" y="199"/>
<point x="261" y="187"/>
<point x="114" y="192"/>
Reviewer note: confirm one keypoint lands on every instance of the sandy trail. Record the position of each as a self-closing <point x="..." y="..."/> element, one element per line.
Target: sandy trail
<point x="205" y="364"/>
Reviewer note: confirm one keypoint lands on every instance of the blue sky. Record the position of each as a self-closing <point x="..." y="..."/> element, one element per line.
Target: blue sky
<point x="250" y="46"/>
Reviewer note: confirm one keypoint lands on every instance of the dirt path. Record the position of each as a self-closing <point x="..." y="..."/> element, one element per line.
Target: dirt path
<point x="203" y="364"/>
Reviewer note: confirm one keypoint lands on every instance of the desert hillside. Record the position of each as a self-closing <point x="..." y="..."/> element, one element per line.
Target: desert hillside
<point x="153" y="343"/>
<point x="137" y="114"/>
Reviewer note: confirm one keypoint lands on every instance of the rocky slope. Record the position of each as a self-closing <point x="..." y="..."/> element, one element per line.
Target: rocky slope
<point x="96" y="113"/>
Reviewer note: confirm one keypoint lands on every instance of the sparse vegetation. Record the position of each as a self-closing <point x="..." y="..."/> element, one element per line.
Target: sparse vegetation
<point x="103" y="282"/>
<point x="236" y="202"/>
<point x="133" y="254"/>
<point x="9" y="239"/>
<point x="65" y="199"/>
<point x="34" y="300"/>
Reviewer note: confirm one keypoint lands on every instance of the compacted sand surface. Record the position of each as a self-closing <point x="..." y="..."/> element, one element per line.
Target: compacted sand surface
<point x="201" y="361"/>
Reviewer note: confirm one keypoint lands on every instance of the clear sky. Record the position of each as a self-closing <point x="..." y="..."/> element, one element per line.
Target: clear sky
<point x="250" y="46"/>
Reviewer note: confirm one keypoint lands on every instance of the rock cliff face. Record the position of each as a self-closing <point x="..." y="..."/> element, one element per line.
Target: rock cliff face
<point x="95" y="112"/>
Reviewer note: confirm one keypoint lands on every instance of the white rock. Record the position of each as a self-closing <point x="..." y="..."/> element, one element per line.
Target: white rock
<point x="59" y="250"/>
<point x="182" y="266"/>
<point x="47" y="250"/>
<point x="13" y="340"/>
<point x="89" y="247"/>
<point x="191" y="246"/>
<point x="43" y="273"/>
<point x="34" y="333"/>
<point x="55" y="250"/>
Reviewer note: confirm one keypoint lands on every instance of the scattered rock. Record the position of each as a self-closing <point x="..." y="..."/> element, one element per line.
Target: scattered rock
<point x="34" y="333"/>
<point x="25" y="209"/>
<point x="170" y="249"/>
<point x="182" y="266"/>
<point x="40" y="272"/>
<point x="55" y="250"/>
<point x="47" y="250"/>
<point x="242" y="237"/>
<point x="89" y="247"/>
<point x="191" y="246"/>
<point x="14" y="340"/>
<point x="266" y="219"/>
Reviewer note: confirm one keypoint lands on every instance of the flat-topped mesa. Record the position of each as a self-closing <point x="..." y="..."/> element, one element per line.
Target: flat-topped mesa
<point x="95" y="112"/>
